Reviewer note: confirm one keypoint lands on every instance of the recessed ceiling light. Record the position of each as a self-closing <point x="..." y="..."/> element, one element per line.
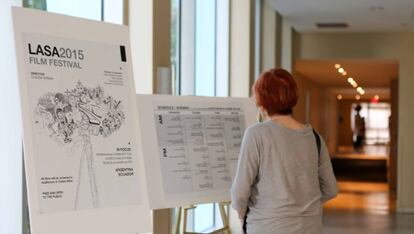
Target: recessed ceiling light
<point x="340" y="70"/>
<point x="337" y="66"/>
<point x="354" y="85"/>
<point x="339" y="97"/>
<point x="357" y="97"/>
<point x="376" y="8"/>
<point x="350" y="80"/>
<point x="359" y="89"/>
<point x="344" y="73"/>
<point x="376" y="97"/>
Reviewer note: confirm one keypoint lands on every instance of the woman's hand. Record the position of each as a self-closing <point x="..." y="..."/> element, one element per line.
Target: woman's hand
<point x="242" y="214"/>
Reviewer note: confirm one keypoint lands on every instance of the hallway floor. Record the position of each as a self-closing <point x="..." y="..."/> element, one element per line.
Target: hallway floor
<point x="368" y="152"/>
<point x="365" y="208"/>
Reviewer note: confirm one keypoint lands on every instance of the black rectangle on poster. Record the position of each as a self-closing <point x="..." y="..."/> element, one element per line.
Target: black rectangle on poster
<point x="123" y="54"/>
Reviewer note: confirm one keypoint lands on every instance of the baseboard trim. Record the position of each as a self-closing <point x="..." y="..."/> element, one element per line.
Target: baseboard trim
<point x="405" y="210"/>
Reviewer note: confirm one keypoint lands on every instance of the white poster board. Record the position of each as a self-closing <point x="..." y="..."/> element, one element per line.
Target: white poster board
<point x="82" y="155"/>
<point x="191" y="146"/>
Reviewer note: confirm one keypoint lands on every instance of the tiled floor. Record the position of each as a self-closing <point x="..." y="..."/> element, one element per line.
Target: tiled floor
<point x="365" y="208"/>
<point x="362" y="197"/>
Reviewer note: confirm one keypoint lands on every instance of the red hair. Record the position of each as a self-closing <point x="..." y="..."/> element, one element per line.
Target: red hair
<point x="276" y="91"/>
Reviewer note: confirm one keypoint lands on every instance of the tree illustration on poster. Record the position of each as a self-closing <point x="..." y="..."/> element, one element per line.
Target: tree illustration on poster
<point x="72" y="117"/>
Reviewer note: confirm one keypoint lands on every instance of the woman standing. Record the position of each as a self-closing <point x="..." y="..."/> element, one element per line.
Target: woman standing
<point x="283" y="176"/>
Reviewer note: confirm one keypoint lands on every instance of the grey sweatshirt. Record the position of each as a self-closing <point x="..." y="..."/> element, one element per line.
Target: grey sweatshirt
<point x="282" y="179"/>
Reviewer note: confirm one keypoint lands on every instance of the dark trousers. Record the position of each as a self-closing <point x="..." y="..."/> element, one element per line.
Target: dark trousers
<point x="358" y="142"/>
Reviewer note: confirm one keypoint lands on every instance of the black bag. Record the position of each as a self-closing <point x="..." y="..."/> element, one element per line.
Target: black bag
<point x="245" y="221"/>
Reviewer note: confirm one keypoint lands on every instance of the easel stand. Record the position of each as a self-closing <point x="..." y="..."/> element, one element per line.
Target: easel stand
<point x="182" y="212"/>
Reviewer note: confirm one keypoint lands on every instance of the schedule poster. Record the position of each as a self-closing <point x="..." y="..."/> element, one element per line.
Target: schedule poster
<point x="192" y="146"/>
<point x="79" y="115"/>
<point x="198" y="147"/>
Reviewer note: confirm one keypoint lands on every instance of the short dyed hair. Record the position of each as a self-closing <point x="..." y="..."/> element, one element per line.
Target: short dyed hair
<point x="276" y="91"/>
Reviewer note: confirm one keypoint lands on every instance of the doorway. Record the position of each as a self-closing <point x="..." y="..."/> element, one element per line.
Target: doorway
<point x="363" y="140"/>
<point x="366" y="174"/>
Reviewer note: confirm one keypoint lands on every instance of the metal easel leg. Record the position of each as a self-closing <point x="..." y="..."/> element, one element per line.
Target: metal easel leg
<point x="178" y="221"/>
<point x="182" y="214"/>
<point x="224" y="216"/>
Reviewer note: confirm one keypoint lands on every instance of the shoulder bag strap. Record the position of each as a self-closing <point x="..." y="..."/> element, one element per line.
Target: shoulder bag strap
<point x="318" y="141"/>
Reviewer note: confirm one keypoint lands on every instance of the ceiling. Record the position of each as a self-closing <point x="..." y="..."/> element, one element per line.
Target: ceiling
<point x="368" y="73"/>
<point x="360" y="15"/>
<point x="374" y="75"/>
<point x="347" y="93"/>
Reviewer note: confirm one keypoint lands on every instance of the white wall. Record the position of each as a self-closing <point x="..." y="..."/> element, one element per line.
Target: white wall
<point x="268" y="39"/>
<point x="10" y="129"/>
<point x="241" y="66"/>
<point x="287" y="46"/>
<point x="141" y="30"/>
<point x="240" y="47"/>
<point x="149" y="22"/>
<point x="398" y="46"/>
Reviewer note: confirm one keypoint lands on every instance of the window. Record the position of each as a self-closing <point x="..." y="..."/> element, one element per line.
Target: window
<point x="376" y="118"/>
<point x="200" y="66"/>
<point x="103" y="10"/>
<point x="202" y="50"/>
<point x="175" y="44"/>
<point x="205" y="43"/>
